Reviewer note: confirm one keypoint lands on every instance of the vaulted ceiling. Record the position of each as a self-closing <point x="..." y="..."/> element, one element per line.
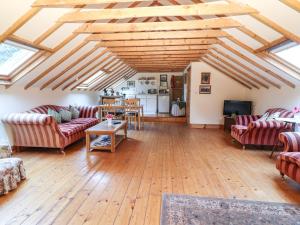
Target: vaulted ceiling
<point x="79" y="38"/>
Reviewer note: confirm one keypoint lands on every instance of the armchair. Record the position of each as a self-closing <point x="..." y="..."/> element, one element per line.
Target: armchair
<point x="288" y="161"/>
<point x="248" y="130"/>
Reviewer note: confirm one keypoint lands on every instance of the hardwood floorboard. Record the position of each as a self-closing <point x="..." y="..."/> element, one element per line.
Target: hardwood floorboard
<point x="125" y="188"/>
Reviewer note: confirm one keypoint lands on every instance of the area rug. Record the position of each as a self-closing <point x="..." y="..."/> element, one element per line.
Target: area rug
<point x="194" y="210"/>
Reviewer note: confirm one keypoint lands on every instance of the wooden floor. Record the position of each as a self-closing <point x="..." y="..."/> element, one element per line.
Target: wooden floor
<point x="126" y="187"/>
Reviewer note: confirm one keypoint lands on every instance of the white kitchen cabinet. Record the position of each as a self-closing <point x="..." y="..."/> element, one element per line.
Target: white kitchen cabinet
<point x="149" y="102"/>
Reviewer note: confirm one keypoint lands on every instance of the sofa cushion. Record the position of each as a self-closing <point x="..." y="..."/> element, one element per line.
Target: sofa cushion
<point x="55" y="115"/>
<point x="66" y="115"/>
<point x="77" y="125"/>
<point x="292" y="157"/>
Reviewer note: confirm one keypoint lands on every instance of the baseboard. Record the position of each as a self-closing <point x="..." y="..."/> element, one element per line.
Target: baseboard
<point x="207" y="126"/>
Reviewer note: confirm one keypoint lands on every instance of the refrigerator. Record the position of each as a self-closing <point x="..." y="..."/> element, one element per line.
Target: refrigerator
<point x="164" y="103"/>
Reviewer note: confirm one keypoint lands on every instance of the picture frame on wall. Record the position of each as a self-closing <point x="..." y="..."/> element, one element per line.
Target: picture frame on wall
<point x="205" y="89"/>
<point x="131" y="84"/>
<point x="205" y="78"/>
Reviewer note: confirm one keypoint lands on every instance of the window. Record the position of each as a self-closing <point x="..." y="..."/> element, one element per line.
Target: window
<point x="91" y="80"/>
<point x="13" y="55"/>
<point x="288" y="51"/>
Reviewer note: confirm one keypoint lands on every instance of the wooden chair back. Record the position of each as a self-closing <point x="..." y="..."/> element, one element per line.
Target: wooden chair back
<point x="132" y="102"/>
<point x="108" y="101"/>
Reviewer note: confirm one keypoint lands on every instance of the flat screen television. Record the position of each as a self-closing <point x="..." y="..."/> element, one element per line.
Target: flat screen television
<point x="237" y="107"/>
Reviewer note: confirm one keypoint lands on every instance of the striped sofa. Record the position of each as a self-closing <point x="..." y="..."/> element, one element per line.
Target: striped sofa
<point x="35" y="128"/>
<point x="288" y="161"/>
<point x="249" y="131"/>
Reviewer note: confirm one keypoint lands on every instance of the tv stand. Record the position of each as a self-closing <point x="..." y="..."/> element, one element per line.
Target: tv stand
<point x="228" y="121"/>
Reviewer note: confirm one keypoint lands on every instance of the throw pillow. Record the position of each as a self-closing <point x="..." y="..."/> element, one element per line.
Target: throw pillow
<point x="75" y="112"/>
<point x="66" y="116"/>
<point x="273" y="116"/>
<point x="264" y="117"/>
<point x="55" y="115"/>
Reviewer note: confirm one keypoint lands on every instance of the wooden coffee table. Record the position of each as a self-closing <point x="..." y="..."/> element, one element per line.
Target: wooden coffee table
<point x="102" y="129"/>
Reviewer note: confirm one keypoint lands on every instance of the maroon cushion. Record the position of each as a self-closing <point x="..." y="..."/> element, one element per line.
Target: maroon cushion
<point x="292" y="157"/>
<point x="77" y="125"/>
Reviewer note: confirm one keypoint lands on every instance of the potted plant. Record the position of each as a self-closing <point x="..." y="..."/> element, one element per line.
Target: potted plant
<point x="109" y="118"/>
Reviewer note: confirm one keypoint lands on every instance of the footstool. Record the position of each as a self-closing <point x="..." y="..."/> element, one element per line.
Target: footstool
<point x="11" y="170"/>
<point x="11" y="173"/>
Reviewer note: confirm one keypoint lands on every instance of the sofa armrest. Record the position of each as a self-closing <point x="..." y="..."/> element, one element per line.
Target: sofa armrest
<point x="291" y="141"/>
<point x="244" y="120"/>
<point x="87" y="111"/>
<point x="270" y="125"/>
<point x="27" y="118"/>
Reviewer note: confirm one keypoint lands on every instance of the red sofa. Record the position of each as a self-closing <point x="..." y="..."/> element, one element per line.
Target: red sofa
<point x="249" y="131"/>
<point x="288" y="161"/>
<point x="35" y="128"/>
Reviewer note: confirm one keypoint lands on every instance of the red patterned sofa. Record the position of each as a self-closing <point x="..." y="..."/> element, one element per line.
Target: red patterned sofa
<point x="249" y="131"/>
<point x="288" y="161"/>
<point x="35" y="128"/>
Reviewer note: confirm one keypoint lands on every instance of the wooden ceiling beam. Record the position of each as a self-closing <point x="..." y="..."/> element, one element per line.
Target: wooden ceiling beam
<point x="51" y="80"/>
<point x="123" y="69"/>
<point x="52" y="67"/>
<point x="266" y="70"/>
<point x="231" y="71"/>
<point x="86" y="77"/>
<point x="72" y="3"/>
<point x="246" y="67"/>
<point x="78" y="77"/>
<point x="117" y="78"/>
<point x="204" y="9"/>
<point x="123" y="72"/>
<point x="157" y="35"/>
<point x="158" y="26"/>
<point x="183" y="52"/>
<point x="52" y="29"/>
<point x="226" y="73"/>
<point x="294" y="4"/>
<point x="253" y="35"/>
<point x="19" y="23"/>
<point x="159" y="48"/>
<point x="161" y="42"/>
<point x="79" y="69"/>
<point x="188" y="56"/>
<point x="239" y="71"/>
<point x="271" y="44"/>
<point x="276" y="27"/>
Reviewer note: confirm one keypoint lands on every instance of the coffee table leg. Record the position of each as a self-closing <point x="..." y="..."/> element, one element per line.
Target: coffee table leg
<point x="113" y="142"/>
<point x="87" y="142"/>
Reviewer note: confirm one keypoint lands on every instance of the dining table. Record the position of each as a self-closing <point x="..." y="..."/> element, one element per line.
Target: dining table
<point x="116" y="107"/>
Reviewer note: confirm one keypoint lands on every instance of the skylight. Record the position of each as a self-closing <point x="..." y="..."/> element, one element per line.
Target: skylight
<point x="289" y="51"/>
<point x="13" y="55"/>
<point x="95" y="78"/>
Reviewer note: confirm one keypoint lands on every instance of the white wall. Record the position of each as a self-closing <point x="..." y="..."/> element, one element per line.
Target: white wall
<point x="285" y="97"/>
<point x="208" y="108"/>
<point x="16" y="99"/>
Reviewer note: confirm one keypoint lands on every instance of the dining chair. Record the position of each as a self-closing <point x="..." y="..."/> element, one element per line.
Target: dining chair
<point x="130" y="113"/>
